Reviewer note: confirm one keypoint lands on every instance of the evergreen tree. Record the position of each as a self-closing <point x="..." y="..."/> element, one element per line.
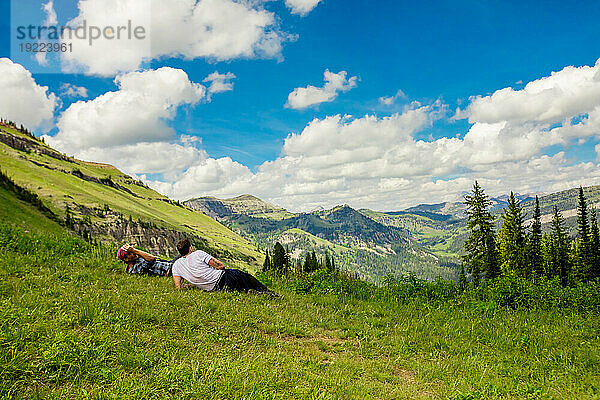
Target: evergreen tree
<point x="328" y="263"/>
<point x="535" y="259"/>
<point x="306" y="267"/>
<point x="480" y="247"/>
<point x="492" y="259"/>
<point x="594" y="270"/>
<point x="512" y="238"/>
<point x="279" y="259"/>
<point x="311" y="263"/>
<point x="333" y="267"/>
<point x="583" y="254"/>
<point x="314" y="262"/>
<point x="560" y="263"/>
<point x="547" y="254"/>
<point x="267" y="263"/>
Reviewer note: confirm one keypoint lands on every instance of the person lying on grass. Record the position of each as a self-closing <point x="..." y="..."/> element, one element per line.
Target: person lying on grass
<point x="139" y="262"/>
<point x="202" y="270"/>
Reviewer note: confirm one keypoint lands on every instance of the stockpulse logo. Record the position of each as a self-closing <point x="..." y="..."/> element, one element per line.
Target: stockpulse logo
<point x="87" y="32"/>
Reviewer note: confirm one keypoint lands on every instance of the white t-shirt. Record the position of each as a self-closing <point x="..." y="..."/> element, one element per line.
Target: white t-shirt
<point x="195" y="269"/>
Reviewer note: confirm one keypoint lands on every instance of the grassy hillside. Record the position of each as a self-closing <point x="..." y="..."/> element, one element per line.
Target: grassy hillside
<point x="566" y="202"/>
<point x="25" y="216"/>
<point x="75" y="326"/>
<point x="111" y="205"/>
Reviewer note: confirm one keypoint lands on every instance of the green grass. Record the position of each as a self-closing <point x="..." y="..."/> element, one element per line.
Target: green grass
<point x="73" y="325"/>
<point x="24" y="215"/>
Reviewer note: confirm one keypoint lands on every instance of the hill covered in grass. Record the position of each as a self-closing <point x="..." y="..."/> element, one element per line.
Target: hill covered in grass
<point x="98" y="201"/>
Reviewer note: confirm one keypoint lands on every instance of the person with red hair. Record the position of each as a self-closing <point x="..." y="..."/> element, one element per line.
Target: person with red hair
<point x="139" y="262"/>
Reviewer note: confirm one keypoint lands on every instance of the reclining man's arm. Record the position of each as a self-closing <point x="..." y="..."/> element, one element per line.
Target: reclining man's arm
<point x="146" y="256"/>
<point x="216" y="264"/>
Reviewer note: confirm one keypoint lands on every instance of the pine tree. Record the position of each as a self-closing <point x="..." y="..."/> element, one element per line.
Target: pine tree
<point x="280" y="259"/>
<point x="306" y="267"/>
<point x="480" y="247"/>
<point x="560" y="263"/>
<point x="512" y="238"/>
<point x="314" y="262"/>
<point x="594" y="270"/>
<point x="547" y="250"/>
<point x="583" y="231"/>
<point x="328" y="263"/>
<point x="492" y="259"/>
<point x="535" y="259"/>
<point x="267" y="263"/>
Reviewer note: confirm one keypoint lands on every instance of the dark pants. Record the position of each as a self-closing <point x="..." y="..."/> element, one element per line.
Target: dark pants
<point x="234" y="279"/>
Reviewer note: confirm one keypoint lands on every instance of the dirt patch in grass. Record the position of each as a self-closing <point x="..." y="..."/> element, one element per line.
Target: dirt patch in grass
<point x="404" y="374"/>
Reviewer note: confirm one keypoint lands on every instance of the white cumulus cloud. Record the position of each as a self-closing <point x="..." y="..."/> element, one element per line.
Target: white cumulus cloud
<point x="129" y="127"/>
<point x="70" y="90"/>
<point x="169" y="159"/>
<point x="212" y="29"/>
<point x="301" y="7"/>
<point x="137" y="112"/>
<point x="569" y="92"/>
<point x="304" y="97"/>
<point x="381" y="162"/>
<point x="219" y="83"/>
<point x="388" y="101"/>
<point x="22" y="100"/>
<point x="50" y="20"/>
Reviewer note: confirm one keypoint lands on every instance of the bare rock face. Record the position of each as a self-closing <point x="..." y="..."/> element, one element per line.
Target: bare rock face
<point x="158" y="241"/>
<point x="114" y="228"/>
<point x="30" y="146"/>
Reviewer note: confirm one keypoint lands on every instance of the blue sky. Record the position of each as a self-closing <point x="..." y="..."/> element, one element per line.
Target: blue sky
<point x="445" y="51"/>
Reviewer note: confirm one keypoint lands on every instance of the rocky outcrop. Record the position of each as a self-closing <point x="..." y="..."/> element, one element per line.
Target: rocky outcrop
<point x="31" y="146"/>
<point x="157" y="240"/>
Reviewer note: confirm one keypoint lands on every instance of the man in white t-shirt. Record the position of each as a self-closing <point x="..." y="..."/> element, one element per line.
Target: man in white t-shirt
<point x="202" y="270"/>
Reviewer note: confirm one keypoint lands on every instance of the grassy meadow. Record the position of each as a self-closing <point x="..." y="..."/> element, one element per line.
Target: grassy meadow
<point x="73" y="325"/>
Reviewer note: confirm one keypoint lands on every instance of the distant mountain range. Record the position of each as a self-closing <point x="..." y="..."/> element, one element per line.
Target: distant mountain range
<point x="241" y="205"/>
<point x="367" y="246"/>
<point x="428" y="238"/>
